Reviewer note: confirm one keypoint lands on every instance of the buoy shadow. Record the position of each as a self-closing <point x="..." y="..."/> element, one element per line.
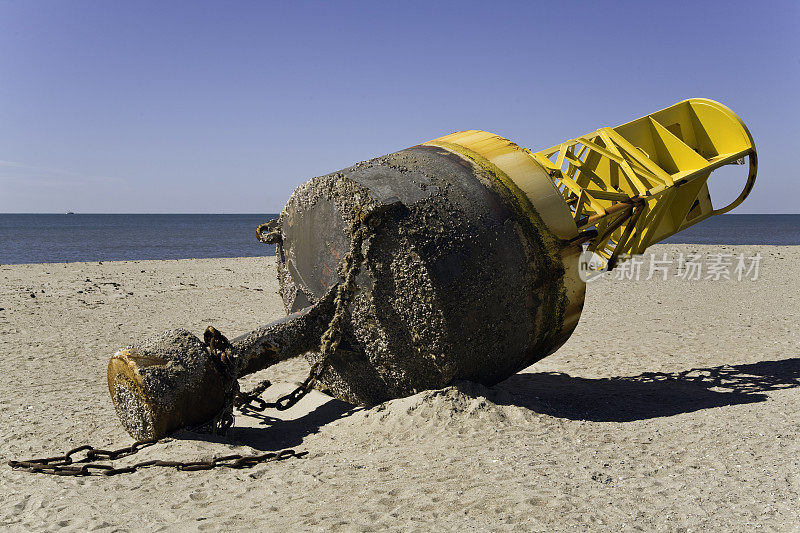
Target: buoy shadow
<point x="617" y="399"/>
<point x="648" y="395"/>
<point x="274" y="433"/>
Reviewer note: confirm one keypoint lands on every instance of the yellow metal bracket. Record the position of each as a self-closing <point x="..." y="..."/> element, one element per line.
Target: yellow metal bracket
<point x="634" y="185"/>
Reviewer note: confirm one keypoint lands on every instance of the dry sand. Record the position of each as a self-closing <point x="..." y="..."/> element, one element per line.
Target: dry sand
<point x="619" y="430"/>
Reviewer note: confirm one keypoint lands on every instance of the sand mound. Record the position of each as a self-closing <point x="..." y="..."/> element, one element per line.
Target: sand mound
<point x="463" y="407"/>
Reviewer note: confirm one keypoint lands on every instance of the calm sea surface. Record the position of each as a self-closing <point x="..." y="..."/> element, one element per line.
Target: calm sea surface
<point x="31" y="238"/>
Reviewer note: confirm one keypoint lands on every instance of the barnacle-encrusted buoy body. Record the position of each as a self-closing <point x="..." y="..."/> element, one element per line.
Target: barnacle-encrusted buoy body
<point x="468" y="269"/>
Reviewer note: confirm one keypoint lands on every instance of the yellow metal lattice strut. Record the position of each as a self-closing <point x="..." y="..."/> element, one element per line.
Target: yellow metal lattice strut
<point x="638" y="183"/>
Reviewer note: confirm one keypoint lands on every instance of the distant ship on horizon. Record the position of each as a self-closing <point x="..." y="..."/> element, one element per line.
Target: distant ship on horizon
<point x="70" y="213"/>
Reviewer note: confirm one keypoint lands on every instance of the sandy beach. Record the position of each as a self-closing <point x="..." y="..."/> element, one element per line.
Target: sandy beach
<point x="673" y="407"/>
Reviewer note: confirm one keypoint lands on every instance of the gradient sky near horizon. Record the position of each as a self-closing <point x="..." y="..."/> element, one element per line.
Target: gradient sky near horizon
<point x="210" y="107"/>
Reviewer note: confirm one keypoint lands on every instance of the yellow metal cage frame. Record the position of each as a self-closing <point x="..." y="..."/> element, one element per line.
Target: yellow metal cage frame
<point x="636" y="184"/>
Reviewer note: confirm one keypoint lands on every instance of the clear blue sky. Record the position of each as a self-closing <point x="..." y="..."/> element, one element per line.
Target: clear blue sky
<point x="210" y="107"/>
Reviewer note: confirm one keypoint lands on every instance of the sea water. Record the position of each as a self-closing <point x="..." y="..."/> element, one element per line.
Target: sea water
<point x="47" y="238"/>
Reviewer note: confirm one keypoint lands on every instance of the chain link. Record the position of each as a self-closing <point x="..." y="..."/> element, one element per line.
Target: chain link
<point x="269" y="232"/>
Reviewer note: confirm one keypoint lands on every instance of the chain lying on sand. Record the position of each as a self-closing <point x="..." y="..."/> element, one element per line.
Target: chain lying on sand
<point x="65" y="465"/>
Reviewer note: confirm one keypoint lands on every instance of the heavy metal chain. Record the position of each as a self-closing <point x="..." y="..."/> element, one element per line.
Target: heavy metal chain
<point x="349" y="269"/>
<point x="220" y="349"/>
<point x="66" y="465"/>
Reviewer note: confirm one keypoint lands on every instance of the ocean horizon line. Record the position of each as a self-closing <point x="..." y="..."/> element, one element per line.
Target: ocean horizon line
<point x="85" y="237"/>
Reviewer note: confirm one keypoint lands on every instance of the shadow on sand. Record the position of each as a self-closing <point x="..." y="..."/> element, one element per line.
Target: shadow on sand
<point x="648" y="395"/>
<point x="274" y="433"/>
<point x="619" y="399"/>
